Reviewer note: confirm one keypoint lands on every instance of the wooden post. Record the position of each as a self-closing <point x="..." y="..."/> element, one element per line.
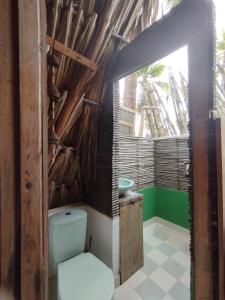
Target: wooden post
<point x="220" y="160"/>
<point x="33" y="149"/>
<point x="201" y="94"/>
<point x="9" y="154"/>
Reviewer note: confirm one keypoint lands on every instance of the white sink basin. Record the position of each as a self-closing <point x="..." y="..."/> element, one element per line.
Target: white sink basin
<point x="125" y="185"/>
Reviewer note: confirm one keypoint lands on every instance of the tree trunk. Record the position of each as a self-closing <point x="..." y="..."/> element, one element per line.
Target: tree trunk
<point x="130" y="88"/>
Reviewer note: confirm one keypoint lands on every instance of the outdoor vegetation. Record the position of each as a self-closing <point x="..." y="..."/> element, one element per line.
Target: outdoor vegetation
<point x="159" y="96"/>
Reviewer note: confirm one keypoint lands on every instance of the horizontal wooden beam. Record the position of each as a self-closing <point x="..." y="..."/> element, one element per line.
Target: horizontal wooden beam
<point x="162" y="38"/>
<point x="127" y="109"/>
<point x="124" y="123"/>
<point x="71" y="53"/>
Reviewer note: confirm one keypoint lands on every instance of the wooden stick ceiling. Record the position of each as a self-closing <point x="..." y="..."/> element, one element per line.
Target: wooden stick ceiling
<point x="95" y="30"/>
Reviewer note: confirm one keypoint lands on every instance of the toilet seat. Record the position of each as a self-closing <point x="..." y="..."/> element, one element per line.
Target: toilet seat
<point x="85" y="277"/>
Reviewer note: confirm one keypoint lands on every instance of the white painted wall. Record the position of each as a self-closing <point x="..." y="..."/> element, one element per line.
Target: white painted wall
<point x="105" y="238"/>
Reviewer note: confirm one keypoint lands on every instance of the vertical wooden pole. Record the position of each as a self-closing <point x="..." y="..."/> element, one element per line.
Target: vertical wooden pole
<point x="33" y="151"/>
<point x="9" y="152"/>
<point x="220" y="161"/>
<point x="201" y="93"/>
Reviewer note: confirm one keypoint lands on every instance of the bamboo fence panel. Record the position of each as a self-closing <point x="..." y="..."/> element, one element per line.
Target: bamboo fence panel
<point x="126" y="121"/>
<point x="146" y="162"/>
<point x="115" y="150"/>
<point x="136" y="160"/>
<point x="155" y="162"/>
<point x="171" y="156"/>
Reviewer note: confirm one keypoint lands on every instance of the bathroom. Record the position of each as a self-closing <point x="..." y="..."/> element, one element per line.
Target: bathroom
<point x="69" y="230"/>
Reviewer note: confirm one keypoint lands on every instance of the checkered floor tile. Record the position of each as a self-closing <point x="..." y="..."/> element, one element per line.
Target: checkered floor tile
<point x="166" y="271"/>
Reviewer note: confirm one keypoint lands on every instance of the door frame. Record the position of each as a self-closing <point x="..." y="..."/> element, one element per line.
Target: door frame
<point x="23" y="152"/>
<point x="33" y="150"/>
<point x="191" y="24"/>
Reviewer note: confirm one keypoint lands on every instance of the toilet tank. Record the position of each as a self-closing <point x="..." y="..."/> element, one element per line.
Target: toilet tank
<point x="67" y="236"/>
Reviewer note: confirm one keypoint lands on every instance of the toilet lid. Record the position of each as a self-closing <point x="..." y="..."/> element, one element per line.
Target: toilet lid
<point x="85" y="277"/>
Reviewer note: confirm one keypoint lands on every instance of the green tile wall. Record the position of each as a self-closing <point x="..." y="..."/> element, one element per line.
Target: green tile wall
<point x="149" y="203"/>
<point x="167" y="204"/>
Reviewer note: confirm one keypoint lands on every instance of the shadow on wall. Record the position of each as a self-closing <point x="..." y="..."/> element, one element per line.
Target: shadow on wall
<point x="168" y="204"/>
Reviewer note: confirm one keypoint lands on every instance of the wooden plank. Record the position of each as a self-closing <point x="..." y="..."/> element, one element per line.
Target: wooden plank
<point x="127" y="109"/>
<point x="121" y="122"/>
<point x="162" y="38"/>
<point x="200" y="94"/>
<point x="71" y="53"/>
<point x="131" y="240"/>
<point x="33" y="146"/>
<point x="9" y="152"/>
<point x="130" y="197"/>
<point x="44" y="122"/>
<point x="220" y="161"/>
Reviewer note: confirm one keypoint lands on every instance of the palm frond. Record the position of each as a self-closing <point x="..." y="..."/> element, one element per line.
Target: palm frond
<point x="172" y="3"/>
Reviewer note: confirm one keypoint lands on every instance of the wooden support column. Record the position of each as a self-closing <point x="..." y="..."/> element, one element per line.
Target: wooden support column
<point x="9" y="154"/>
<point x="220" y="160"/>
<point x="33" y="148"/>
<point x="201" y="94"/>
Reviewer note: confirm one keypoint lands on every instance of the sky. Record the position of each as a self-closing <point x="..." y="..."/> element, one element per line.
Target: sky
<point x="178" y="59"/>
<point x="220" y="16"/>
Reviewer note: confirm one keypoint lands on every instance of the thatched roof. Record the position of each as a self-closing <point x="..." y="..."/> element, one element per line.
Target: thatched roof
<point x="95" y="30"/>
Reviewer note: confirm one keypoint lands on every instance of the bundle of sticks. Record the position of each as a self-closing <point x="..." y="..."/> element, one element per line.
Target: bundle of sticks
<point x="94" y="29"/>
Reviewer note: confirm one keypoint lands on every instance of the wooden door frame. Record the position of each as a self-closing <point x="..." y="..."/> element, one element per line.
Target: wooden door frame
<point x="23" y="152"/>
<point x="220" y="162"/>
<point x="9" y="157"/>
<point x="191" y="24"/>
<point x="33" y="149"/>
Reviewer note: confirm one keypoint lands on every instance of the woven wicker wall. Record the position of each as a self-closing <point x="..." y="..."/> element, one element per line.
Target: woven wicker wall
<point x="137" y="160"/>
<point x="171" y="154"/>
<point x="100" y="196"/>
<point x="159" y="162"/>
<point x="115" y="150"/>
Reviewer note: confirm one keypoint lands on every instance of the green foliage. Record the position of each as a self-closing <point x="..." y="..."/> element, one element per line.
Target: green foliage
<point x="172" y="3"/>
<point x="152" y="71"/>
<point x="164" y="85"/>
<point x="221" y="44"/>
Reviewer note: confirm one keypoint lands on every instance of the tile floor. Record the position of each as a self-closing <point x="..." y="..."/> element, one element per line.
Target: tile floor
<point x="166" y="271"/>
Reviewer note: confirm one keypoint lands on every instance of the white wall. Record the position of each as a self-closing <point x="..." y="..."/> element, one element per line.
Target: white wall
<point x="105" y="238"/>
<point x="105" y="235"/>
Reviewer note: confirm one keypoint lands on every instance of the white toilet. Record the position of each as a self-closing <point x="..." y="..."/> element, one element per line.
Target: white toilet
<point x="74" y="274"/>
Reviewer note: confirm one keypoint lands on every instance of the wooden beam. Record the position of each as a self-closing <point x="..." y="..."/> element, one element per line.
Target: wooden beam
<point x="33" y="150"/>
<point x="124" y="123"/>
<point x="9" y="154"/>
<point x="71" y="53"/>
<point x="163" y="37"/>
<point x="127" y="109"/>
<point x="44" y="140"/>
<point x="220" y="161"/>
<point x="200" y="95"/>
